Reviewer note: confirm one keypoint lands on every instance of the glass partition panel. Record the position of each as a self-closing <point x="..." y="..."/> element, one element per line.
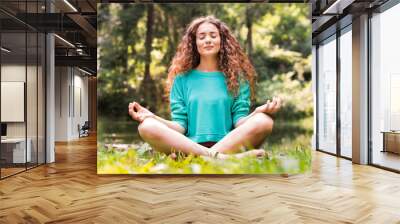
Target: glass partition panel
<point x="31" y="98"/>
<point x="22" y="87"/>
<point x="41" y="98"/>
<point x="385" y="89"/>
<point x="15" y="151"/>
<point x="327" y="95"/>
<point x="346" y="92"/>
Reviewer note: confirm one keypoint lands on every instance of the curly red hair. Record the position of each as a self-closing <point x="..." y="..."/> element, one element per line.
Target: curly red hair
<point x="233" y="62"/>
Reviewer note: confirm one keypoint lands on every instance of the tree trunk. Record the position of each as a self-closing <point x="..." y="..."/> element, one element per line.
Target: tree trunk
<point x="148" y="89"/>
<point x="149" y="40"/>
<point x="171" y="38"/>
<point x="249" y="25"/>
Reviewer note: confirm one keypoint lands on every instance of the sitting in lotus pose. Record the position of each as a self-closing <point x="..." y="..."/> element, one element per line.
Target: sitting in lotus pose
<point x="210" y="84"/>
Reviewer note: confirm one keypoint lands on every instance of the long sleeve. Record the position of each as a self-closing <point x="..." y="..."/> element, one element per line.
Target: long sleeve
<point x="178" y="103"/>
<point x="241" y="104"/>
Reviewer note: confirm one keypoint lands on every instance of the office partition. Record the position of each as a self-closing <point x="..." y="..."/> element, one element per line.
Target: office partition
<point x="22" y="78"/>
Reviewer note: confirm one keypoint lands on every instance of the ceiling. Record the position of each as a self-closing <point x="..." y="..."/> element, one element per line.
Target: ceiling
<point x="74" y="22"/>
<point x="330" y="15"/>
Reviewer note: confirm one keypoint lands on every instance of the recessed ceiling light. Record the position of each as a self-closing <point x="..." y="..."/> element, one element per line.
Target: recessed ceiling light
<point x="70" y="5"/>
<point x="5" y="50"/>
<point x="337" y="7"/>
<point x="64" y="40"/>
<point x="86" y="72"/>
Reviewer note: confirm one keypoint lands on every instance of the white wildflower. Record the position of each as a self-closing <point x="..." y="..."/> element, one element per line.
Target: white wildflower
<point x="196" y="168"/>
<point x="158" y="167"/>
<point x="290" y="164"/>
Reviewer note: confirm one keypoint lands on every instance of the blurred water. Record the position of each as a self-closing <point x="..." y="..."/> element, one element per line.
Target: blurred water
<point x="116" y="130"/>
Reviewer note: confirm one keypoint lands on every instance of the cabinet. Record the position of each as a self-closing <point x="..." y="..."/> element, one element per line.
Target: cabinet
<point x="391" y="141"/>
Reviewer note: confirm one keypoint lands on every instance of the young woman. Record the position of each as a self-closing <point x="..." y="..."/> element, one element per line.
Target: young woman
<point x="210" y="83"/>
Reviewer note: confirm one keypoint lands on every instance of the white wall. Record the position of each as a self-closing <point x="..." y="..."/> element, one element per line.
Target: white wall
<point x="13" y="72"/>
<point x="61" y="103"/>
<point x="71" y="94"/>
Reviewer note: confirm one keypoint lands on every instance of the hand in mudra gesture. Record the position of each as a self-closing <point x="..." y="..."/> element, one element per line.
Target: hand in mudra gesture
<point x="139" y="113"/>
<point x="270" y="107"/>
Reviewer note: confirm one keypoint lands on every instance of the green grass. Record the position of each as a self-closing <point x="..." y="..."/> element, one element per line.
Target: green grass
<point x="287" y="148"/>
<point x="134" y="161"/>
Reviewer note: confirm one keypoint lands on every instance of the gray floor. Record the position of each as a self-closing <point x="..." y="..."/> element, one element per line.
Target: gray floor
<point x="387" y="159"/>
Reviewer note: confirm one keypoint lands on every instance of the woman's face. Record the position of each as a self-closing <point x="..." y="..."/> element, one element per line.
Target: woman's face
<point x="208" y="40"/>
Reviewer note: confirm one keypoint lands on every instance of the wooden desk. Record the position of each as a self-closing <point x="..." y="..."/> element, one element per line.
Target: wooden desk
<point x="391" y="141"/>
<point x="13" y="150"/>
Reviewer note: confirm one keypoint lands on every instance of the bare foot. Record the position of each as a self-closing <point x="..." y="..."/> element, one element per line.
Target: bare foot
<point x="173" y="156"/>
<point x="252" y="153"/>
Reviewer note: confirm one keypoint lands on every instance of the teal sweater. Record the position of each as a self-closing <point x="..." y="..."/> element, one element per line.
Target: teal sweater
<point x="200" y="103"/>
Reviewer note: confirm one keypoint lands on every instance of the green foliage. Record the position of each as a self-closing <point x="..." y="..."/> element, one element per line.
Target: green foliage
<point x="296" y="95"/>
<point x="280" y="43"/>
<point x="292" y="30"/>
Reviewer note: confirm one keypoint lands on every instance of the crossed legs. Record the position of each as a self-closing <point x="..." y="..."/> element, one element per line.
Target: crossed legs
<point x="250" y="135"/>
